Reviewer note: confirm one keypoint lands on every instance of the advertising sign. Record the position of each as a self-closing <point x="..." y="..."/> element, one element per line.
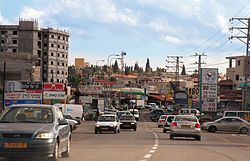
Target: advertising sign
<point x="85" y="99"/>
<point x="48" y="86"/>
<point x="92" y="89"/>
<point x="17" y="92"/>
<point x="209" y="89"/>
<point x="54" y="95"/>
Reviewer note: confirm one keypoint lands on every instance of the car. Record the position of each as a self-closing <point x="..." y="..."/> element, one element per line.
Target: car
<point x="185" y="126"/>
<point x="168" y="122"/>
<point x="128" y="122"/>
<point x="120" y="113"/>
<point x="73" y="124"/>
<point x="161" y="121"/>
<point x="135" y="113"/>
<point x="71" y="118"/>
<point x="188" y="111"/>
<point x="232" y="124"/>
<point x="107" y="122"/>
<point x="155" y="114"/>
<point x="34" y="131"/>
<point x="75" y="110"/>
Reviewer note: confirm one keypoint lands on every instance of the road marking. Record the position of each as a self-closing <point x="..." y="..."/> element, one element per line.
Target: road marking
<point x="154" y="148"/>
<point x="142" y="160"/>
<point x="147" y="156"/>
<point x="151" y="151"/>
<point x="156" y="145"/>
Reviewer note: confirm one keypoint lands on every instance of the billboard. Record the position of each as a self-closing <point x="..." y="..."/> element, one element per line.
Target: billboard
<point x="53" y="91"/>
<point x="91" y="89"/>
<point x="20" y="92"/>
<point x="209" y="89"/>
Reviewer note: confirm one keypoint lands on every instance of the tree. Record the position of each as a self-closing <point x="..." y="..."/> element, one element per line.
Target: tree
<point x="115" y="67"/>
<point x="136" y="68"/>
<point x="183" y="70"/>
<point x="148" y="68"/>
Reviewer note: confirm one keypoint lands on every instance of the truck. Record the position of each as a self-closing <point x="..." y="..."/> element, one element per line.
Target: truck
<point x="140" y="104"/>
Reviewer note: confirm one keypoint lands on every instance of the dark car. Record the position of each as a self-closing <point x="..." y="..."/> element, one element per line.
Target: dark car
<point x="128" y="122"/>
<point x="71" y="118"/>
<point x="34" y="131"/>
<point x="156" y="114"/>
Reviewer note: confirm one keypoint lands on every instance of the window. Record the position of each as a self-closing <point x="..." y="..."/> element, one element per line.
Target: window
<point x="58" y="72"/>
<point x="58" y="63"/>
<point x="235" y="120"/>
<point x="63" y="47"/>
<point x="14" y="50"/>
<point x="14" y="32"/>
<point x="58" y="80"/>
<point x="2" y="41"/>
<point x="1" y="50"/>
<point x="66" y="56"/>
<point x="62" y="72"/>
<point x="63" y="38"/>
<point x="52" y="54"/>
<point x="58" y="46"/>
<point x="44" y="62"/>
<point x="52" y="63"/>
<point x="51" y="71"/>
<point x="52" y="45"/>
<point x="59" y="37"/>
<point x="45" y="35"/>
<point x="58" y="55"/>
<point x="237" y="77"/>
<point x="14" y="41"/>
<point x="63" y="55"/>
<point x="3" y="32"/>
<point x="52" y="36"/>
<point x="62" y="64"/>
<point x="226" y="120"/>
<point x="230" y="114"/>
<point x="45" y="53"/>
<point x="238" y="62"/>
<point x="66" y="73"/>
<point x="51" y="80"/>
<point x="45" y="45"/>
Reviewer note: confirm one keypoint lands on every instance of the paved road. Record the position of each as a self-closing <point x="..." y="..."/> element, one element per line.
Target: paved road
<point x="150" y="144"/>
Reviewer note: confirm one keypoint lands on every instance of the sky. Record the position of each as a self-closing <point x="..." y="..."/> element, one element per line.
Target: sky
<point x="153" y="29"/>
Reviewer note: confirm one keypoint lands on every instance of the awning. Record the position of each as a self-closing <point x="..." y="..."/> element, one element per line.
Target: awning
<point x="158" y="97"/>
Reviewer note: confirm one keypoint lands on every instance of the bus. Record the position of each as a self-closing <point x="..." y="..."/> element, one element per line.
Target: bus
<point x="242" y="114"/>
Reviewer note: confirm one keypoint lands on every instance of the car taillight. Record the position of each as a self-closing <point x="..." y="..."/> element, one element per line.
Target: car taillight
<point x="197" y="125"/>
<point x="174" y="124"/>
<point x="161" y="121"/>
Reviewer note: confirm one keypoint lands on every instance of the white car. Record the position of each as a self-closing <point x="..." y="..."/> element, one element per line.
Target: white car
<point x="161" y="121"/>
<point x="107" y="122"/>
<point x="135" y="113"/>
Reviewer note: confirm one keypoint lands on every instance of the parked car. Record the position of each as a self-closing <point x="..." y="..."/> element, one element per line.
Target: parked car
<point x="161" y="121"/>
<point x="185" y="126"/>
<point x="73" y="124"/>
<point x="71" y="118"/>
<point x="168" y="122"/>
<point x="233" y="124"/>
<point x="155" y="114"/>
<point x="135" y="113"/>
<point x="128" y="122"/>
<point x="107" y="122"/>
<point x="34" y="131"/>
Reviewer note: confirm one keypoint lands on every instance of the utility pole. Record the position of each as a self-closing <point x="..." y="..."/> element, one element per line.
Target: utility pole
<point x="199" y="77"/>
<point x="4" y="75"/>
<point x="174" y="66"/>
<point x="245" y="30"/>
<point x="122" y="60"/>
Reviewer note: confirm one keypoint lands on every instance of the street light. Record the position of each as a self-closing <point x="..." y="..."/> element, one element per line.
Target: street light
<point x="101" y="60"/>
<point x="110" y="56"/>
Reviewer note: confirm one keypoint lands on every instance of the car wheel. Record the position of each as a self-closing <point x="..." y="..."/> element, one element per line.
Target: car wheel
<point x="159" y="126"/>
<point x="198" y="138"/>
<point x="135" y="129"/>
<point x="212" y="129"/>
<point x="243" y="130"/>
<point x="71" y="128"/>
<point x="115" y="131"/>
<point x="55" y="154"/>
<point x="164" y="130"/>
<point x="96" y="131"/>
<point x="118" y="130"/>
<point x="66" y="153"/>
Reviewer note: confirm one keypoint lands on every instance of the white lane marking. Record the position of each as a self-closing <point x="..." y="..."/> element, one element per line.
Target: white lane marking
<point x="147" y="156"/>
<point x="233" y="134"/>
<point x="154" y="148"/>
<point x="156" y="145"/>
<point x="142" y="160"/>
<point x="151" y="151"/>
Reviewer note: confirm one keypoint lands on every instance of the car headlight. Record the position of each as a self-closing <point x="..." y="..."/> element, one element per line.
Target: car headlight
<point x="97" y="125"/>
<point x="112" y="125"/>
<point x="132" y="123"/>
<point x="45" y="136"/>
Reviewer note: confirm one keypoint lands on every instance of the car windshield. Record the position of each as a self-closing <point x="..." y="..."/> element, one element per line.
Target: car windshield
<point x="27" y="115"/>
<point x="127" y="118"/>
<point x="106" y="119"/>
<point x="185" y="118"/>
<point x="170" y="118"/>
<point x="163" y="117"/>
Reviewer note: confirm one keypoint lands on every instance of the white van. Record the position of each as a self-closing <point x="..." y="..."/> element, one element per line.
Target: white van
<point x="189" y="111"/>
<point x="76" y="111"/>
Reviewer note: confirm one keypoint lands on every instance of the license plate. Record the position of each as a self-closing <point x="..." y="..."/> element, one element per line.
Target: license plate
<point x="185" y="126"/>
<point x="15" y="145"/>
<point x="126" y="125"/>
<point x="105" y="128"/>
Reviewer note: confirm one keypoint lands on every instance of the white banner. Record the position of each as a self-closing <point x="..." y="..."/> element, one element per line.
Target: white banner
<point x="54" y="95"/>
<point x="23" y="96"/>
<point x="209" y="97"/>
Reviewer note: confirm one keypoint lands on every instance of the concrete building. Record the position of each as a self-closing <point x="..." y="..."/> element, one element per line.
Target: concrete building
<point x="236" y="70"/>
<point x="49" y="45"/>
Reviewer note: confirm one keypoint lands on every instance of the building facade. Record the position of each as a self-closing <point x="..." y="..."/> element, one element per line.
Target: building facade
<point x="49" y="45"/>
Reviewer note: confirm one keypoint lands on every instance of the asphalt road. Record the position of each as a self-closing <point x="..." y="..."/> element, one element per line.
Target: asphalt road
<point x="149" y="143"/>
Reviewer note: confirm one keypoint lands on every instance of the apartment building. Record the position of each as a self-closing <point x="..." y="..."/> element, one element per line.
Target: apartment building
<point x="49" y="46"/>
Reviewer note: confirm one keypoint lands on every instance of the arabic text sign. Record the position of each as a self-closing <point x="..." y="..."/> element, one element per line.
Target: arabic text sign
<point x="54" y="95"/>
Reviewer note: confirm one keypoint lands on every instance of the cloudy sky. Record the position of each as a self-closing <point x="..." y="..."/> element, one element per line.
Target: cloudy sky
<point x="144" y="29"/>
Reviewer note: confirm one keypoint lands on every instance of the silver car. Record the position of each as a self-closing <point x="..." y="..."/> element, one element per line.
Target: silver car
<point x="161" y="121"/>
<point x="185" y="126"/>
<point x="233" y="124"/>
